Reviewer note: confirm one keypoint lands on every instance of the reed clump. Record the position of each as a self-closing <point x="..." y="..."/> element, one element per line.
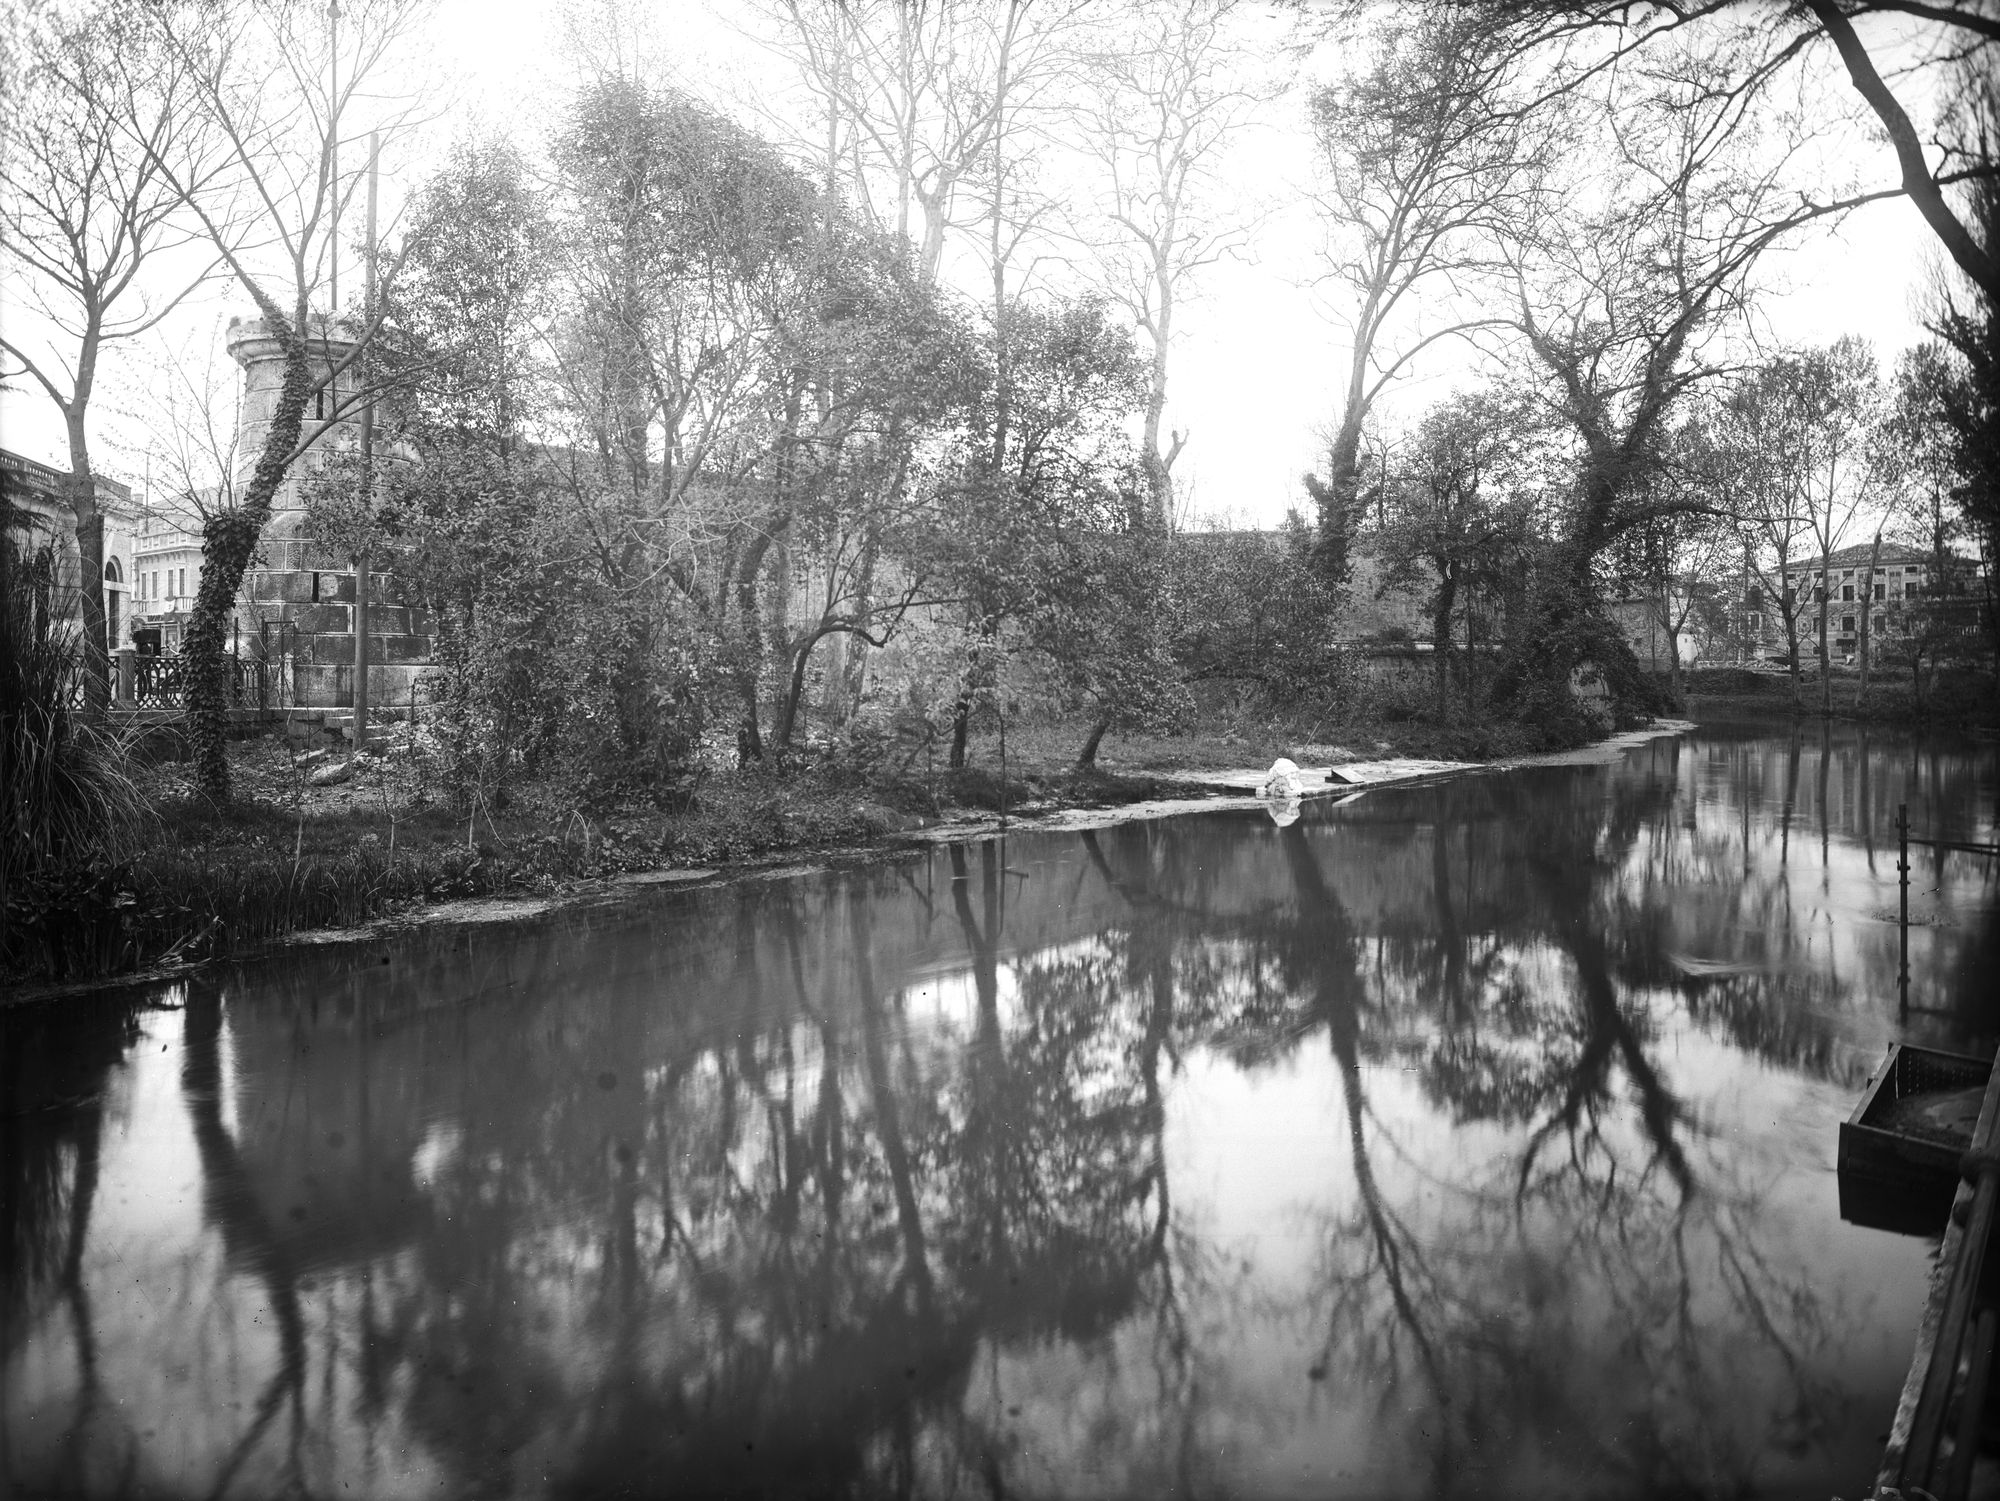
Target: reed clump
<point x="69" y="808"/>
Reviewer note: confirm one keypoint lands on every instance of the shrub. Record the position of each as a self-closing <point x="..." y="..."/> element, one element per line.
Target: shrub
<point x="68" y="806"/>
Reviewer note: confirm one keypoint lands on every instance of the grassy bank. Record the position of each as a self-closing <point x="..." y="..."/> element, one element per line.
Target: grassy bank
<point x="1955" y="701"/>
<point x="201" y="882"/>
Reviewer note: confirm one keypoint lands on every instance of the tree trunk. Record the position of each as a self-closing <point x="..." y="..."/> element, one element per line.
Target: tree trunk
<point x="228" y="541"/>
<point x="1087" y="757"/>
<point x="1792" y="661"/>
<point x="1825" y="661"/>
<point x="795" y="689"/>
<point x="90" y="562"/>
<point x="1447" y="595"/>
<point x="852" y="679"/>
<point x="750" y="648"/>
<point x="961" y="728"/>
<point x="1158" y="465"/>
<point x="1867" y="617"/>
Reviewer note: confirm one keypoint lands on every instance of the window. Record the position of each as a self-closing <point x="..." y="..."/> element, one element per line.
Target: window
<point x="1847" y="593"/>
<point x="1819" y="596"/>
<point x="1881" y="591"/>
<point x="1847" y="625"/>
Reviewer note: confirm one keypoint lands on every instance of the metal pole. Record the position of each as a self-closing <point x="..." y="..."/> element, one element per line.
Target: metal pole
<point x="367" y="469"/>
<point x="1903" y="908"/>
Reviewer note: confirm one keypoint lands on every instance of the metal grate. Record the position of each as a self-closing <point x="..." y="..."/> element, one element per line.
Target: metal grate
<point x="1920" y="1072"/>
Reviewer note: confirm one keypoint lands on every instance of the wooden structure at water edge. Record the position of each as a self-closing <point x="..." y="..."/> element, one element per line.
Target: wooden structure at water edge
<point x="1901" y="1152"/>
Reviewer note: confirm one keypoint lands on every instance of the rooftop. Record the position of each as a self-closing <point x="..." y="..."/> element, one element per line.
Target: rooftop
<point x="24" y="477"/>
<point x="1893" y="554"/>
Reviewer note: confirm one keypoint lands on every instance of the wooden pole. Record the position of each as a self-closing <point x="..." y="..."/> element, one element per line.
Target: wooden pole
<point x="333" y="154"/>
<point x="1903" y="909"/>
<point x="367" y="470"/>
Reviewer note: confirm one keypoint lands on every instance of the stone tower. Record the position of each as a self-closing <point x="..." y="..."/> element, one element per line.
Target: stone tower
<point x="297" y="600"/>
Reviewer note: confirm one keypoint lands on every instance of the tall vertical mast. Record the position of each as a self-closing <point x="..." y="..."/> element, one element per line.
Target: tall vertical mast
<point x="367" y="464"/>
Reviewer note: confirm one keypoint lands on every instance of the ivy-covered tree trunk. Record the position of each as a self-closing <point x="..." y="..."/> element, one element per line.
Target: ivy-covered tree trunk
<point x="1565" y="627"/>
<point x="228" y="541"/>
<point x="749" y="669"/>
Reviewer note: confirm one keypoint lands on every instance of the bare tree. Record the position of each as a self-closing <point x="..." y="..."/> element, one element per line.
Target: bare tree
<point x="1620" y="298"/>
<point x="900" y="110"/>
<point x="1755" y="478"/>
<point x="93" y="232"/>
<point x="1424" y="163"/>
<point x="1165" y="99"/>
<point x="280" y="90"/>
<point x="1835" y="389"/>
<point x="184" y="401"/>
<point x="1587" y="39"/>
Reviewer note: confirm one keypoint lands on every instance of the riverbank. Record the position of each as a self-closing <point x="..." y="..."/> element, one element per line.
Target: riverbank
<point x="1955" y="701"/>
<point x="290" y="857"/>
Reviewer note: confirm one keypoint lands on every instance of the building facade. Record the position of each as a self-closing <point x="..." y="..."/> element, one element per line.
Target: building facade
<point x="40" y="525"/>
<point x="166" y="561"/>
<point x="1892" y="591"/>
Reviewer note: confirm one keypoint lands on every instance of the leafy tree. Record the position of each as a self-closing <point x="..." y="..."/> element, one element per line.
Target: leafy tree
<point x="1010" y="538"/>
<point x="1446" y="512"/>
<point x="894" y="377"/>
<point x="1971" y="402"/>
<point x="1254" y="607"/>
<point x="552" y="645"/>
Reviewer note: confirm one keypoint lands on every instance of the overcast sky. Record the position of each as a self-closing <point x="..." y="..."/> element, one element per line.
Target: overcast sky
<point x="1256" y="371"/>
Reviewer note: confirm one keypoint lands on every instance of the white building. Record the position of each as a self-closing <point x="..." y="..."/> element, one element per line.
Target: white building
<point x="41" y="522"/>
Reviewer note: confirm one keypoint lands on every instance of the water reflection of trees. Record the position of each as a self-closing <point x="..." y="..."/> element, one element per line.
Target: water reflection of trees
<point x="56" y="1068"/>
<point x="1526" y="1001"/>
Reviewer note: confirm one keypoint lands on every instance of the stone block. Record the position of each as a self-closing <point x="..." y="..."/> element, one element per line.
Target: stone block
<point x="388" y="620"/>
<point x="329" y="650"/>
<point x="399" y="649"/>
<point x="336" y="588"/>
<point x="321" y="619"/>
<point x="320" y="686"/>
<point x="271" y="587"/>
<point x="390" y="685"/>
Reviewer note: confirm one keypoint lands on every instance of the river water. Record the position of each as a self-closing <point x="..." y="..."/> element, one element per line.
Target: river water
<point x="1473" y="1140"/>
